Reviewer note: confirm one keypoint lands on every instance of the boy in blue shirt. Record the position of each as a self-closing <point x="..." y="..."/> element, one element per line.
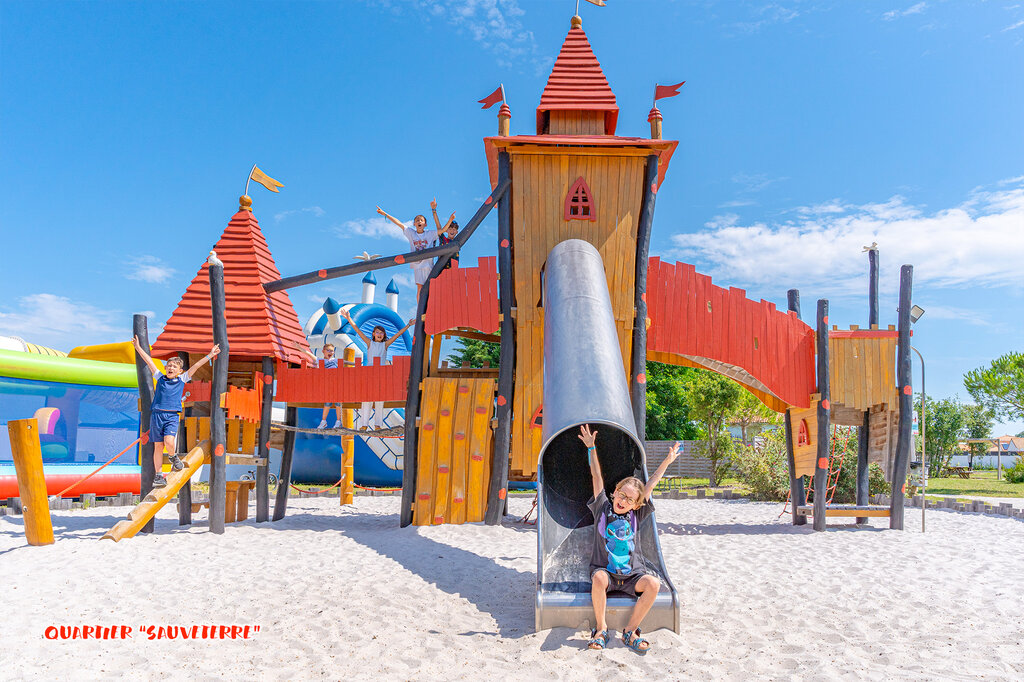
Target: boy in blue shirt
<point x="163" y="418"/>
<point x="616" y="561"/>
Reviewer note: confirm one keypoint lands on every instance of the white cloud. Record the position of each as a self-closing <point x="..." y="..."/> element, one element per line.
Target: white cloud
<point x="316" y="211"/>
<point x="60" y="322"/>
<point x="1013" y="27"/>
<point x="755" y="182"/>
<point x="149" y="269"/>
<point x="913" y="9"/>
<point x="941" y="312"/>
<point x="766" y="15"/>
<point x="375" y="228"/>
<point x="979" y="242"/>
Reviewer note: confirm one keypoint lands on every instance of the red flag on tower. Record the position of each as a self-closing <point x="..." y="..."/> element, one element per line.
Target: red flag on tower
<point x="493" y="98"/>
<point x="662" y="91"/>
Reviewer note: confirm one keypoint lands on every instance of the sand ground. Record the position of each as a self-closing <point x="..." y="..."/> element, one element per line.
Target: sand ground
<point x="345" y="593"/>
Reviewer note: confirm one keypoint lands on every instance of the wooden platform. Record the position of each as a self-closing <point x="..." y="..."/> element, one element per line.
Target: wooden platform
<point x="847" y="510"/>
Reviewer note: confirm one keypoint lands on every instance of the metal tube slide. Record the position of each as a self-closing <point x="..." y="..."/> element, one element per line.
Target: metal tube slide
<point x="585" y="383"/>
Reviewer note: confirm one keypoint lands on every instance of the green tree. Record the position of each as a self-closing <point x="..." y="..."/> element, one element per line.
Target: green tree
<point x="668" y="413"/>
<point x="713" y="399"/>
<point x="751" y="412"/>
<point x="473" y="352"/>
<point x="1000" y="386"/>
<point x="944" y="427"/>
<point x="977" y="424"/>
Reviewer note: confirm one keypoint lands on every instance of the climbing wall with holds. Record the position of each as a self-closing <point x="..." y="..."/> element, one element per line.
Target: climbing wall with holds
<point x="455" y="442"/>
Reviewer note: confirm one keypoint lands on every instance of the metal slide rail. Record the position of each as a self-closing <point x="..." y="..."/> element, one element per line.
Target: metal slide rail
<point x="584" y="383"/>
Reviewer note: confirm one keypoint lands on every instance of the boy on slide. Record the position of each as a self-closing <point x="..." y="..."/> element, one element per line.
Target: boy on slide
<point x="163" y="419"/>
<point x="616" y="561"/>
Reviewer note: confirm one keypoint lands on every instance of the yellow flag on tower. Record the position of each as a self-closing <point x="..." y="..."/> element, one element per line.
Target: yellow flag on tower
<point x="264" y="179"/>
<point x="599" y="3"/>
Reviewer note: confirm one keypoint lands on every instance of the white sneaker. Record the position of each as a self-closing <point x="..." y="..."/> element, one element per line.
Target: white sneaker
<point x="323" y="424"/>
<point x="337" y="424"/>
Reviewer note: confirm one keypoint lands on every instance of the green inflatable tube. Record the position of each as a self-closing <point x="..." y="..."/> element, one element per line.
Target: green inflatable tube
<point x="18" y="365"/>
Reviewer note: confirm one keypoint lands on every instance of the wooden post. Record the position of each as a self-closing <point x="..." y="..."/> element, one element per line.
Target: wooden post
<point x="638" y="375"/>
<point x="904" y="442"/>
<point x="28" y="467"/>
<point x="348" y="445"/>
<point x="797" y="494"/>
<point x="863" y="432"/>
<point x="266" y="413"/>
<point x="218" y="386"/>
<point x="147" y="471"/>
<point x="181" y="448"/>
<point x="824" y="441"/>
<point x="284" y="479"/>
<point x="498" y="485"/>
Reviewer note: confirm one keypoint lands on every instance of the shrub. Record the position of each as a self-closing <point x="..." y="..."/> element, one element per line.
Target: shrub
<point x="763" y="467"/>
<point x="1015" y="474"/>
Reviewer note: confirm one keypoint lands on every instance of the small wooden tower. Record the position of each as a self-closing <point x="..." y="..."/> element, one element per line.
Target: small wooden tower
<point x="261" y="328"/>
<point x="575" y="179"/>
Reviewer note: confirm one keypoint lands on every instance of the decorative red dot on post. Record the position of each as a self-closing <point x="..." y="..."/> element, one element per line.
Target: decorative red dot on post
<point x="501" y="494"/>
<point x="488" y="200"/>
<point x="824" y="320"/>
<point x="641" y="379"/>
<point x="321" y="273"/>
<point x="145" y="438"/>
<point x="654" y="188"/>
<point x="825" y="404"/>
<point x="504" y="243"/>
<point x="501" y="400"/>
<point x="268" y="379"/>
<point x="399" y="259"/>
<point x="219" y="451"/>
<point x="904" y="489"/>
<point x="907" y="390"/>
<point x="643" y="297"/>
<point x="823" y="462"/>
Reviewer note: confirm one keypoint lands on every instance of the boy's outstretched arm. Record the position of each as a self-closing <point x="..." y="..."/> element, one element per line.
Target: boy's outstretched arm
<point x="433" y="210"/>
<point x="660" y="471"/>
<point x="387" y="344"/>
<point x="588" y="437"/>
<point x="390" y="217"/>
<point x="304" y="351"/>
<point x="145" y="356"/>
<point x="214" y="352"/>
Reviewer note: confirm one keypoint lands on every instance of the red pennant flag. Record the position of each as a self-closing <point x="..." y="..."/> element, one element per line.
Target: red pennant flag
<point x="492" y="99"/>
<point x="662" y="91"/>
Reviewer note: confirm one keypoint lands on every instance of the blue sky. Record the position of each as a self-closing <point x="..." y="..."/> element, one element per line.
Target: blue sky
<point x="807" y="130"/>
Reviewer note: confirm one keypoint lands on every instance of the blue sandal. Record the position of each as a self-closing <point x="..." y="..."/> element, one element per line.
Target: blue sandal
<point x="598" y="640"/>
<point x="634" y="641"/>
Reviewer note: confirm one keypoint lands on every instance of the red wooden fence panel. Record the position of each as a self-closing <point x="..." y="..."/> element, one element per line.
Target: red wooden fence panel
<point x="344" y="384"/>
<point x="464" y="297"/>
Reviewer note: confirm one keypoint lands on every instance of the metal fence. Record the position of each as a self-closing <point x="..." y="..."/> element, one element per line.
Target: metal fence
<point x="687" y="465"/>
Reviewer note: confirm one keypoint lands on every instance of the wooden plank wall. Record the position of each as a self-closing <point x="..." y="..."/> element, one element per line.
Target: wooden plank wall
<point x="541" y="177"/>
<point x="690" y="316"/>
<point x="687" y="465"/>
<point x="805" y="453"/>
<point x="344" y="384"/>
<point x="464" y="298"/>
<point x="863" y="367"/>
<point x="882" y="437"/>
<point x="455" y="442"/>
<point x="576" y="123"/>
<point x="241" y="434"/>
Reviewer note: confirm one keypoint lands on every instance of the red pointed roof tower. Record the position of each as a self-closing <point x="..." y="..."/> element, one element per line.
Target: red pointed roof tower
<point x="577" y="83"/>
<point x="259" y="324"/>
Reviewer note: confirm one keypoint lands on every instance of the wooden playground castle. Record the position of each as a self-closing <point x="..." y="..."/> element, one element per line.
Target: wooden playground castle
<point x="469" y="431"/>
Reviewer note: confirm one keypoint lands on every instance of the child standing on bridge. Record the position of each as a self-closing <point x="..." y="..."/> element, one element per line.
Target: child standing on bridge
<point x="419" y="240"/>
<point x="163" y="417"/>
<point x="617" y="562"/>
<point x="330" y="362"/>
<point x="377" y="347"/>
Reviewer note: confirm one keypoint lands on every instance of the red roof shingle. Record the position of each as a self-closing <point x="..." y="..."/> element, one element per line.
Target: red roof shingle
<point x="259" y="324"/>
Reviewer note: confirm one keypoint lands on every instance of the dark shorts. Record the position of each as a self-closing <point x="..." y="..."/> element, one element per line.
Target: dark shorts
<point x="626" y="584"/>
<point x="162" y="424"/>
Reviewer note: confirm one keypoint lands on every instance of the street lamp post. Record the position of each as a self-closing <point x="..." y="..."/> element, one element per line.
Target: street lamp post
<point x="915" y="314"/>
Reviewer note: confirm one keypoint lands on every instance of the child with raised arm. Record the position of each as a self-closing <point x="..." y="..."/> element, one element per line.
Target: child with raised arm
<point x="446" y="233"/>
<point x="617" y="561"/>
<point x="163" y="416"/>
<point x="377" y="347"/>
<point x="329" y="362"/>
<point x="419" y="239"/>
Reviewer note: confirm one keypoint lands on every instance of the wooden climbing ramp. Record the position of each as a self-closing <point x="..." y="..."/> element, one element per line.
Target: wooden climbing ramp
<point x="454" y="455"/>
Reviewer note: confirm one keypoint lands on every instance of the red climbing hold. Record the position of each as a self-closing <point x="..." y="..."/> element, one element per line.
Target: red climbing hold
<point x="219" y="451"/>
<point x="445" y="412"/>
<point x="463" y="389"/>
<point x="823" y="462"/>
<point x="488" y="200"/>
<point x="825" y="404"/>
<point x="504" y="243"/>
<point x="399" y="259"/>
<point x="501" y="494"/>
<point x="321" y="273"/>
<point x="424" y="496"/>
<point x="460" y="436"/>
<point x="641" y="379"/>
<point x="501" y="400"/>
<point x="428" y="427"/>
<point x="481" y="410"/>
<point x="907" y="390"/>
<point x="477" y="457"/>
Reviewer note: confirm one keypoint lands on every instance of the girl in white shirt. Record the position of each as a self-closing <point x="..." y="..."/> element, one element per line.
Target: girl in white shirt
<point x="376" y="347"/>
